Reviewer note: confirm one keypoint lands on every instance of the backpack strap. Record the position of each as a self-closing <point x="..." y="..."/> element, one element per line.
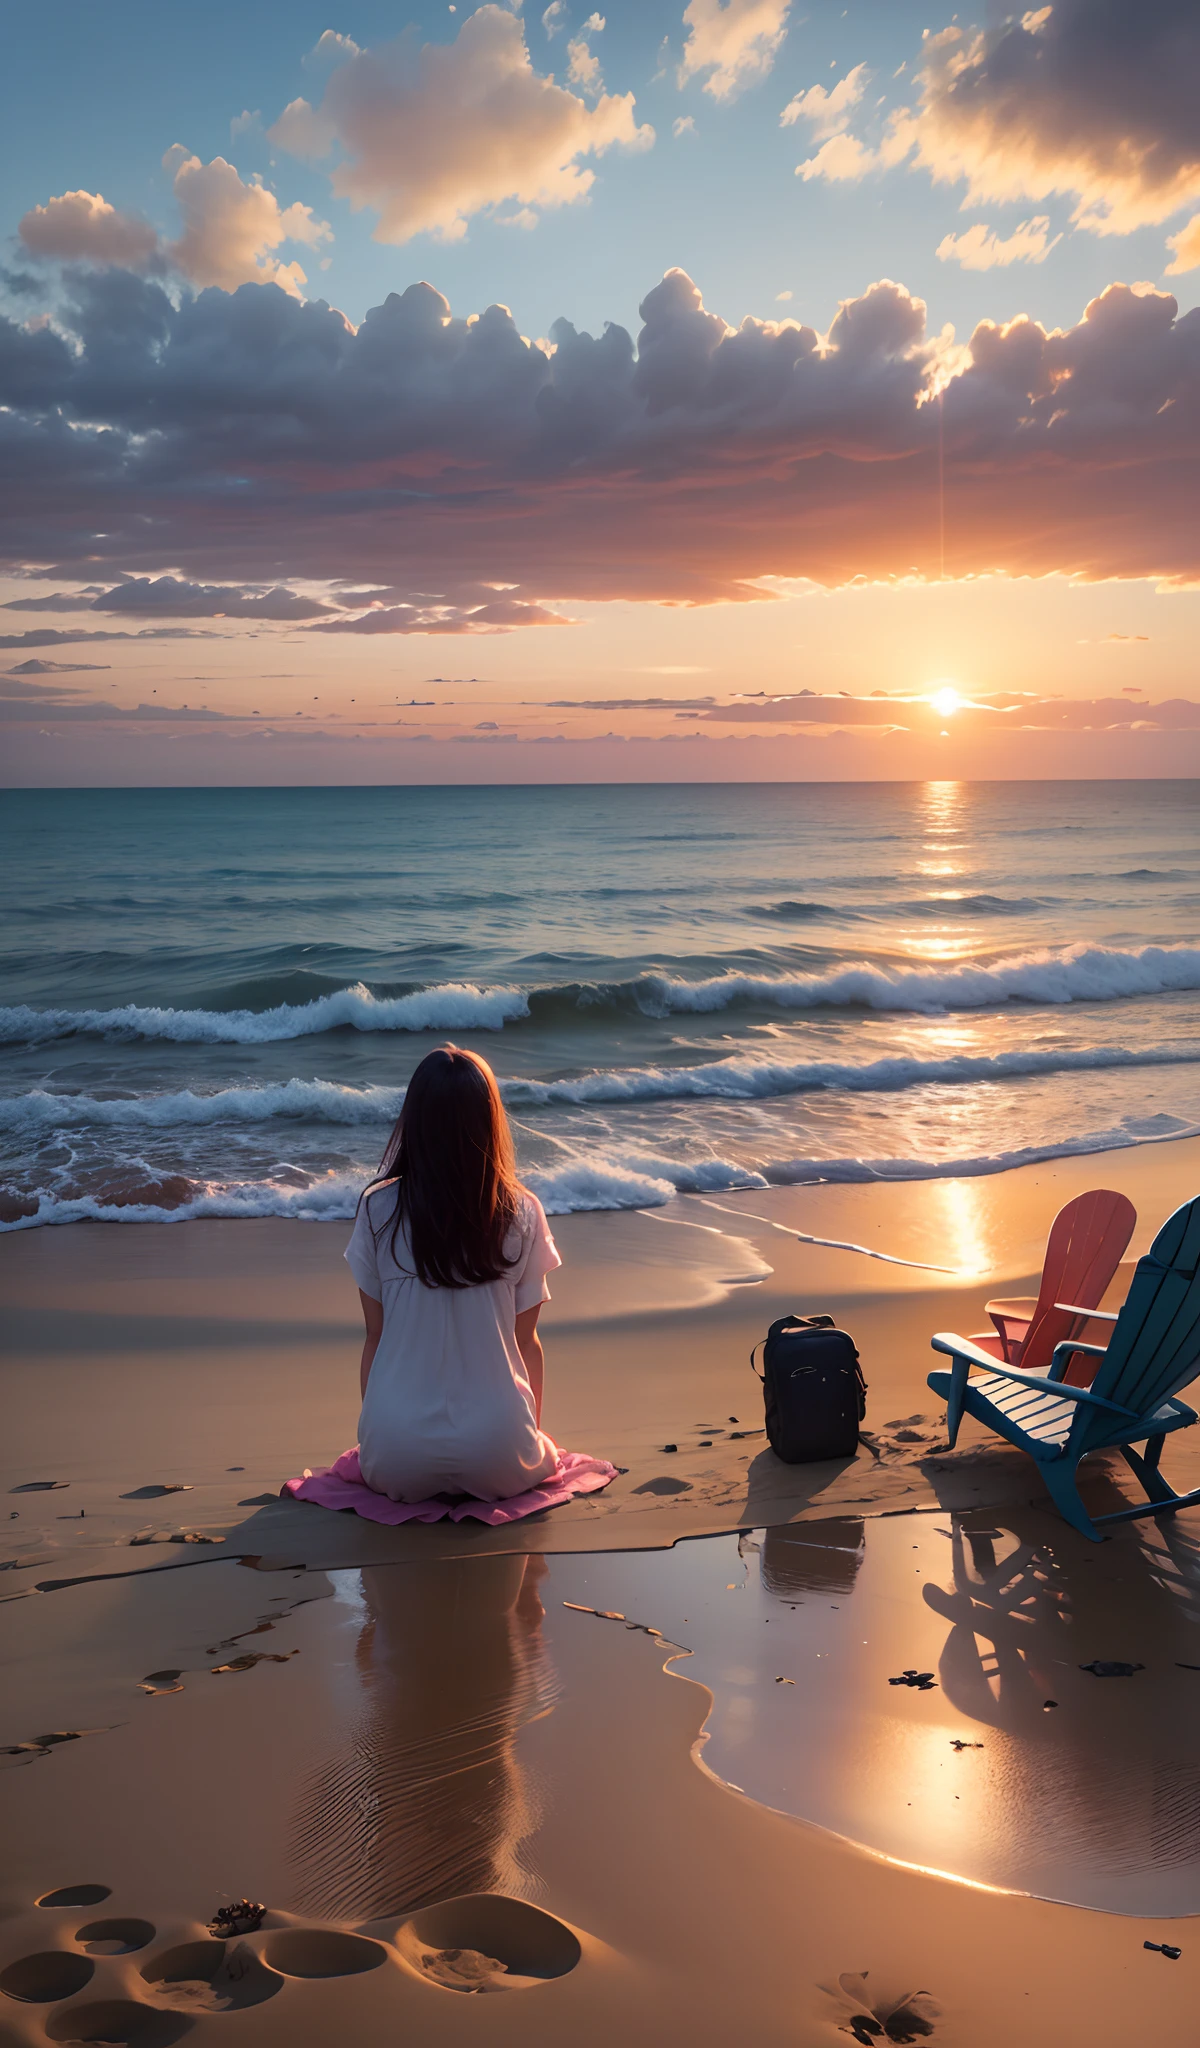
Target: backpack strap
<point x="791" y="1322"/>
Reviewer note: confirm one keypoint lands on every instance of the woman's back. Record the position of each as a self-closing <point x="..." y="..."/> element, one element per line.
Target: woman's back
<point x="448" y="1406"/>
<point x="451" y="1255"/>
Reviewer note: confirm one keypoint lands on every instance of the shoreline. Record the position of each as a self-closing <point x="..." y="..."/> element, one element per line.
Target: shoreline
<point x="230" y="1353"/>
<point x="181" y="1203"/>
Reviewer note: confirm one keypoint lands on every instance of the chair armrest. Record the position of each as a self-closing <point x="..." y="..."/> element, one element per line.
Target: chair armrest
<point x="1099" y="1315"/>
<point x="961" y="1349"/>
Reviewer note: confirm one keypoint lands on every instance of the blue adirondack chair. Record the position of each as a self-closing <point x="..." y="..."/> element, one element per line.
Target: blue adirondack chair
<point x="1153" y="1351"/>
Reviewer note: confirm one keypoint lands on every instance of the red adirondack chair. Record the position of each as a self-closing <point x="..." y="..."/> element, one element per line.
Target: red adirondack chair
<point x="1086" y="1242"/>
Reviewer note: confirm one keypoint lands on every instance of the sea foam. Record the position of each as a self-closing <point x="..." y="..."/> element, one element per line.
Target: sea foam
<point x="610" y="1180"/>
<point x="451" y="1006"/>
<point x="736" y="1079"/>
<point x="1076" y="974"/>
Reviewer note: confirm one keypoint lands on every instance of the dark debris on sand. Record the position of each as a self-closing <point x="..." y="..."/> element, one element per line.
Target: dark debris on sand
<point x="244" y="1917"/>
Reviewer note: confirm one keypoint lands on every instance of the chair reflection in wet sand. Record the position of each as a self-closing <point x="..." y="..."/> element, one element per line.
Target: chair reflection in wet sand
<point x="1090" y="1788"/>
<point x="1042" y="1613"/>
<point x="429" y="1800"/>
<point x="1017" y="1604"/>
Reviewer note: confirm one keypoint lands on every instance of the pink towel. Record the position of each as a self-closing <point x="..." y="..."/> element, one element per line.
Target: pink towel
<point x="342" y="1485"/>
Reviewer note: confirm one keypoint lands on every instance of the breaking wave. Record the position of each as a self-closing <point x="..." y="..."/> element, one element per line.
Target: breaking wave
<point x="728" y="1080"/>
<point x="452" y="1006"/>
<point x="1076" y="974"/>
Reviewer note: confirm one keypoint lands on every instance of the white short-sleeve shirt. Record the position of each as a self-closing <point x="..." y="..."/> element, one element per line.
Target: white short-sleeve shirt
<point x="448" y="1407"/>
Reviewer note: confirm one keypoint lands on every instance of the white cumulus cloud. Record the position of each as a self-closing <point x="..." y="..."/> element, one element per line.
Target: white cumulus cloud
<point x="981" y="248"/>
<point x="827" y="112"/>
<point x="81" y="227"/>
<point x="840" y="159"/>
<point x="432" y="134"/>
<point x="583" y="65"/>
<point x="230" y="229"/>
<point x="329" y="49"/>
<point x="734" y="41"/>
<point x="1186" y="248"/>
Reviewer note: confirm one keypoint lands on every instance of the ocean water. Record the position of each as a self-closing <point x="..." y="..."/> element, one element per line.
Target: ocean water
<point x="211" y="1000"/>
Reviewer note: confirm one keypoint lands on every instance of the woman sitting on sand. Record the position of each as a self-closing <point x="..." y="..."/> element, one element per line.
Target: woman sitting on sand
<point x="451" y="1254"/>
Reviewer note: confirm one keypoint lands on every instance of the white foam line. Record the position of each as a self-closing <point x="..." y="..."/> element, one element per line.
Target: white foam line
<point x="839" y="1244"/>
<point x="836" y="1244"/>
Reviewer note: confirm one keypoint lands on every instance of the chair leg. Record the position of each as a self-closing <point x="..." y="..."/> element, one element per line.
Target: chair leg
<point x="1060" y="1479"/>
<point x="1161" y="1499"/>
<point x="956" y="1401"/>
<point x="1145" y="1468"/>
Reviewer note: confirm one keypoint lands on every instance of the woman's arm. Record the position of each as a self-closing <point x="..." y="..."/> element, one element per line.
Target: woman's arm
<point x="373" y="1318"/>
<point x="529" y="1344"/>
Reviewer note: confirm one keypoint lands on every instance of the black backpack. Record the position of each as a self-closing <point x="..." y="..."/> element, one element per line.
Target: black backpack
<point x="814" y="1390"/>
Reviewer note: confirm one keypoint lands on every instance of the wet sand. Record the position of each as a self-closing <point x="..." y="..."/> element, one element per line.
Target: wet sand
<point x="440" y="1731"/>
<point x="368" y="1722"/>
<point x="222" y="1358"/>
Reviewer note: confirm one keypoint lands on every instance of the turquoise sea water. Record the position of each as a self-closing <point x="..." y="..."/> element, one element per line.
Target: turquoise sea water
<point x="210" y="1000"/>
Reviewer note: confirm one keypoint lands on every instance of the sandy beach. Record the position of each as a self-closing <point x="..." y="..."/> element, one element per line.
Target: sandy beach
<point x="659" y="1719"/>
<point x="598" y="623"/>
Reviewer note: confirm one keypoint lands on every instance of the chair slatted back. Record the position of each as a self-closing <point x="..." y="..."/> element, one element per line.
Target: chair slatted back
<point x="1085" y="1246"/>
<point x="1155" y="1345"/>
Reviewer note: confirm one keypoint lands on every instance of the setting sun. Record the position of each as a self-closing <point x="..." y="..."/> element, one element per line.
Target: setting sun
<point x="945" y="701"/>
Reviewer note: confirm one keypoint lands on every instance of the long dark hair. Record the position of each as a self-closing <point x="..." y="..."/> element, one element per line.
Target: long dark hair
<point x="450" y="1156"/>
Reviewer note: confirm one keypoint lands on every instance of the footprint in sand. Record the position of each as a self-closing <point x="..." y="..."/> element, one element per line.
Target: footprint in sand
<point x="155" y="1492"/>
<point x="76" y="1895"/>
<point x="486" y="1942"/>
<point x="115" y="1937"/>
<point x="870" y="2018"/>
<point x="462" y="1969"/>
<point x="44" y="1979"/>
<point x="321" y="1952"/>
<point x="251" y="1658"/>
<point x="663" y="1483"/>
<point x="208" y="1976"/>
<point x="161" y="1681"/>
<point x="120" y="2023"/>
<point x="41" y="1745"/>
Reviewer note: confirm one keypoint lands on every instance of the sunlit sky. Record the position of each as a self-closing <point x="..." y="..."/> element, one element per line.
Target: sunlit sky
<point x="880" y="372"/>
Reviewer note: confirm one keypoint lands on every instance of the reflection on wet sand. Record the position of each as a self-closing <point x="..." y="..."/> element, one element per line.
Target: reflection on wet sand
<point x="428" y="1800"/>
<point x="810" y="1557"/>
<point x="1096" y="1772"/>
<point x="803" y="1632"/>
